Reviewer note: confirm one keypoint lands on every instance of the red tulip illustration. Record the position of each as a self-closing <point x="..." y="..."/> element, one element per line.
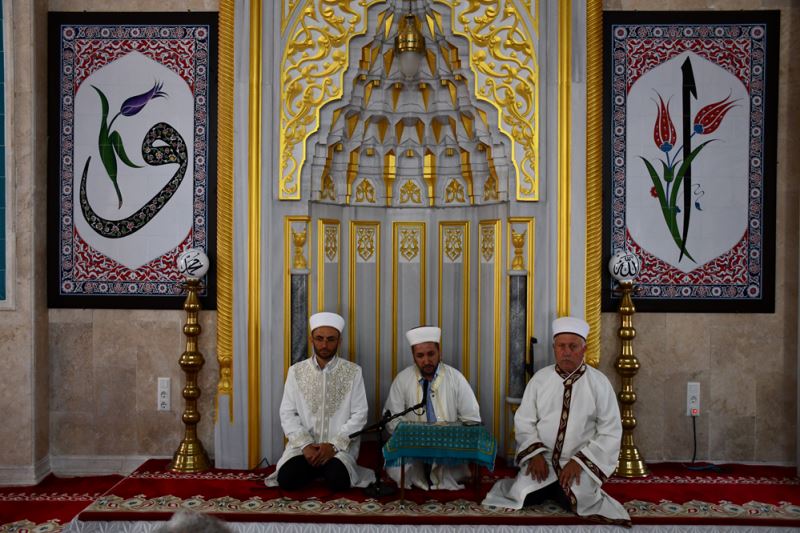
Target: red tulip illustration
<point x="676" y="174"/>
<point x="708" y="119"/>
<point x="664" y="130"/>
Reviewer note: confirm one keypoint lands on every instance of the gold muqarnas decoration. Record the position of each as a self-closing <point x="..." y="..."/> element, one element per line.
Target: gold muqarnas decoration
<point x="503" y="59"/>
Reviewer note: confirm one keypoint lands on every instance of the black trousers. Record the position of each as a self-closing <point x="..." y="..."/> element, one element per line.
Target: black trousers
<point x="296" y="473"/>
<point x="553" y="491"/>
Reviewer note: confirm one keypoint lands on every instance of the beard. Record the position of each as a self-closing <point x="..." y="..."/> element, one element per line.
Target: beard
<point x="428" y="371"/>
<point x="325" y="354"/>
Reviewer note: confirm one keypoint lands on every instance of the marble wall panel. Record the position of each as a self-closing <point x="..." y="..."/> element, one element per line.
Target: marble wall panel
<point x="776" y="408"/>
<point x="15" y="394"/>
<point x="23" y="330"/>
<point x="731" y="438"/>
<point x="71" y="367"/>
<point x="73" y="433"/>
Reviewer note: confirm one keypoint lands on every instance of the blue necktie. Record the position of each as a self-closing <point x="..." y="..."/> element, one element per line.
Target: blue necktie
<point x="429" y="412"/>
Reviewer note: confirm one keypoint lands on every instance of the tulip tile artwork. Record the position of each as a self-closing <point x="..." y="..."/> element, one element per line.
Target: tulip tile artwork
<point x="689" y="145"/>
<point x="132" y="157"/>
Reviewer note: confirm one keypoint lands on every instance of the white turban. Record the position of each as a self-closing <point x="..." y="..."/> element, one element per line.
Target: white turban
<point x="569" y="324"/>
<point x="423" y="334"/>
<point x="326" y="319"/>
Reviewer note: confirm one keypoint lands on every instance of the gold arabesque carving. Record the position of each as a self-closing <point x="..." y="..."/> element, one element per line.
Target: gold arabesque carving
<point x="409" y="243"/>
<point x="327" y="192"/>
<point x="365" y="192"/>
<point x="453" y="243"/>
<point x="331" y="242"/>
<point x="312" y="67"/>
<point x="507" y="75"/>
<point x="365" y="242"/>
<point x="487" y="242"/>
<point x="454" y="192"/>
<point x="410" y="193"/>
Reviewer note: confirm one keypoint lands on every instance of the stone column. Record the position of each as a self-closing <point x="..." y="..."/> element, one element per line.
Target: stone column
<point x="299" y="300"/>
<point x="517" y="331"/>
<point x="517" y="335"/>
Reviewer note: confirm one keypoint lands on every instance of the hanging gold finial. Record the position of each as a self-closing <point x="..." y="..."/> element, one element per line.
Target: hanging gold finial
<point x="409" y="45"/>
<point x="518" y="240"/>
<point x="299" y="238"/>
<point x="409" y="38"/>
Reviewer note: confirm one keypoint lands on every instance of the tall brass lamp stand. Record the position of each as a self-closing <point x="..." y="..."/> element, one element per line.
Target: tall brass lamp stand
<point x="624" y="266"/>
<point x="190" y="455"/>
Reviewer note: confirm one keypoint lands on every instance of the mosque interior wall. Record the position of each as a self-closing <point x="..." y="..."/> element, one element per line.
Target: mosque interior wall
<point x="80" y="383"/>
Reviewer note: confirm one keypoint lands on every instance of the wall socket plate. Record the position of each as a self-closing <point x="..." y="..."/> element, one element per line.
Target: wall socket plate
<point x="163" y="396"/>
<point x="692" y="398"/>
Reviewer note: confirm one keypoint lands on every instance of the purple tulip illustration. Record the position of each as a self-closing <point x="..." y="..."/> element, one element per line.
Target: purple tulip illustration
<point x="134" y="104"/>
<point x="110" y="143"/>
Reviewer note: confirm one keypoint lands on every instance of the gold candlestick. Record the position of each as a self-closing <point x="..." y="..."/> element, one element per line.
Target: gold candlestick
<point x="630" y="462"/>
<point x="190" y="455"/>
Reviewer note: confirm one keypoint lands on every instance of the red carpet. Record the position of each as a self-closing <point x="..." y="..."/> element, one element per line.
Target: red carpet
<point x="54" y="501"/>
<point x="738" y="495"/>
<point x="741" y="495"/>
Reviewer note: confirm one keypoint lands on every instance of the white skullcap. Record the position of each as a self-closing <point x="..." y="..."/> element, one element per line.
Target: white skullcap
<point x="423" y="334"/>
<point x="326" y="319"/>
<point x="569" y="324"/>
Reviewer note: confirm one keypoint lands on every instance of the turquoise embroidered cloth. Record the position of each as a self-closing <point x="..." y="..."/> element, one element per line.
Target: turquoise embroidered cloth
<point x="442" y="442"/>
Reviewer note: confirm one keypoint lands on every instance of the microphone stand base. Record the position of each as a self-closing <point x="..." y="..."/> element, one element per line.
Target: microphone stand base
<point x="380" y="489"/>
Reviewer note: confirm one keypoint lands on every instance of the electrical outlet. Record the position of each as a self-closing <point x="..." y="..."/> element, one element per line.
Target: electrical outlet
<point x="692" y="398"/>
<point x="163" y="395"/>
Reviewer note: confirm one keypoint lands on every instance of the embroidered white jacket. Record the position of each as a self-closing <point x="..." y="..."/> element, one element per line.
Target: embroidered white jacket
<point x="325" y="405"/>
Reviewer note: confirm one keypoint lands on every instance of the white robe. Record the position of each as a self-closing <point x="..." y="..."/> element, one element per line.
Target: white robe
<point x="324" y="405"/>
<point x="453" y="400"/>
<point x="592" y="438"/>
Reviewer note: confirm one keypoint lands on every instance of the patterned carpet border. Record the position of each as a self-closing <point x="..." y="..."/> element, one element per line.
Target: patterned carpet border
<point x="454" y="512"/>
<point x="709" y="480"/>
<point x="26" y="526"/>
<point x="47" y="497"/>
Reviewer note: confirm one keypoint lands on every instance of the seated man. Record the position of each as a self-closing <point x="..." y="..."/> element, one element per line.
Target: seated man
<point x="568" y="433"/>
<point x="324" y="401"/>
<point x="449" y="399"/>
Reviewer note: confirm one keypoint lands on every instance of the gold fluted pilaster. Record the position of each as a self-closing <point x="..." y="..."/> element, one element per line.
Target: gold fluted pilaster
<point x="224" y="252"/>
<point x="594" y="175"/>
<point x="254" y="240"/>
<point x="564" y="161"/>
<point x="630" y="462"/>
<point x="190" y="455"/>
